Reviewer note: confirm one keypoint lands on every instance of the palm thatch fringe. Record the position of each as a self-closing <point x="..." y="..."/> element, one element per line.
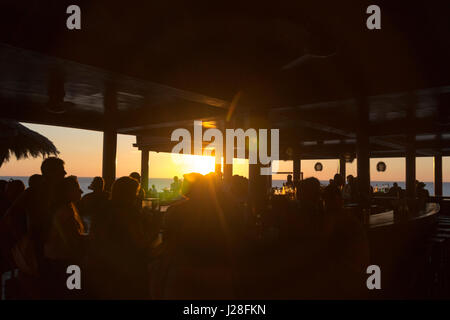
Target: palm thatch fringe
<point x="18" y="140"/>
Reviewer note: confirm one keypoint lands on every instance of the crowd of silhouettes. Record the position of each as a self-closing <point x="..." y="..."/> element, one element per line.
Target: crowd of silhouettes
<point x="209" y="244"/>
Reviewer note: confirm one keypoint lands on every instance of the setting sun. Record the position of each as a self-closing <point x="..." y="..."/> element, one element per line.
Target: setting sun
<point x="199" y="164"/>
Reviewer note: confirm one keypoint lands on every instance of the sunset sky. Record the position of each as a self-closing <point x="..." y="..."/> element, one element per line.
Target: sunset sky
<point x="82" y="152"/>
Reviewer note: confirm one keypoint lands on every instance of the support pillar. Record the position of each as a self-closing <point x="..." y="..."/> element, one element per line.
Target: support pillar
<point x="109" y="137"/>
<point x="438" y="175"/>
<point x="258" y="185"/>
<point x="297" y="167"/>
<point x="227" y="171"/>
<point x="144" y="168"/>
<point x="410" y="152"/>
<point x="410" y="172"/>
<point x="227" y="167"/>
<point x="218" y="168"/>
<point x="342" y="167"/>
<point x="109" y="157"/>
<point x="362" y="153"/>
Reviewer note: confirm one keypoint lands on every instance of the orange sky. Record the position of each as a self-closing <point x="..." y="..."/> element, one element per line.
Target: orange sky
<point x="82" y="152"/>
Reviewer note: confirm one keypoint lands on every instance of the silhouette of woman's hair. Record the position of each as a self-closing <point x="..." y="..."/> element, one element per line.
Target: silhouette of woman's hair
<point x="136" y="176"/>
<point x="124" y="190"/>
<point x="65" y="188"/>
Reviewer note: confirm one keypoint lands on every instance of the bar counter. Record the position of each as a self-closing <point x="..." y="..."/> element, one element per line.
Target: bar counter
<point x="387" y="218"/>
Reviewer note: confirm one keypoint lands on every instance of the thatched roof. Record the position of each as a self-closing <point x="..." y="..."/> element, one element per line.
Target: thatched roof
<point x="18" y="140"/>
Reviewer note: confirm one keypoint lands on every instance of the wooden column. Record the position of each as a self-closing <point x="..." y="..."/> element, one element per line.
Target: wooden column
<point x="109" y="137"/>
<point x="258" y="185"/>
<point x="438" y="175"/>
<point x="410" y="172"/>
<point x="227" y="171"/>
<point x="144" y="168"/>
<point x="410" y="150"/>
<point x="297" y="167"/>
<point x="227" y="168"/>
<point x="362" y="152"/>
<point x="342" y="167"/>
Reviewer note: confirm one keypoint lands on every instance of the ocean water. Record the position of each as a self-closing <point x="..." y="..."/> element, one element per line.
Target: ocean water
<point x="162" y="183"/>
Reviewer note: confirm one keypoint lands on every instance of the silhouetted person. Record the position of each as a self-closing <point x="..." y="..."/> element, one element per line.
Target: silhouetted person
<point x="346" y="249"/>
<point x="339" y="181"/>
<point x="93" y="205"/>
<point x="153" y="191"/>
<point x="422" y="195"/>
<point x="394" y="191"/>
<point x="3" y="184"/>
<point x="350" y="191"/>
<point x="289" y="182"/>
<point x="35" y="181"/>
<point x="4" y="204"/>
<point x="142" y="193"/>
<point x="239" y="188"/>
<point x="119" y="255"/>
<point x="30" y="217"/>
<point x="199" y="238"/>
<point x="65" y="244"/>
<point x="175" y="187"/>
<point x="13" y="190"/>
<point x="309" y="196"/>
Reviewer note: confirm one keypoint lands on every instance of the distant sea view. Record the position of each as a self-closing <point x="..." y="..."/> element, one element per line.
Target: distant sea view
<point x="161" y="183"/>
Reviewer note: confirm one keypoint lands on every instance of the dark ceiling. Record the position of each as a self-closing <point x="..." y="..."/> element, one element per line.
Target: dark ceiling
<point x="219" y="48"/>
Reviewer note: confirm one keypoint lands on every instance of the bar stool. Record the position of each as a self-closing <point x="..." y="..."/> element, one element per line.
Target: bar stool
<point x="436" y="266"/>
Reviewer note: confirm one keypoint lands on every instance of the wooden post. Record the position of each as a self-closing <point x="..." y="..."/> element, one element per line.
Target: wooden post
<point x="258" y="185"/>
<point x="438" y="175"/>
<point x="297" y="167"/>
<point x="227" y="167"/>
<point x="144" y="168"/>
<point x="410" y="150"/>
<point x="109" y="137"/>
<point x="342" y="167"/>
<point x="362" y="153"/>
<point x="227" y="171"/>
<point x="410" y="172"/>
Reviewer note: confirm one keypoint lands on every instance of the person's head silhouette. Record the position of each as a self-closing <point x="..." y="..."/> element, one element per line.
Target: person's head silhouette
<point x="193" y="185"/>
<point x="13" y="189"/>
<point x="97" y="184"/>
<point x="136" y="176"/>
<point x="52" y="169"/>
<point x="35" y="181"/>
<point x="125" y="191"/>
<point x="338" y="180"/>
<point x="68" y="190"/>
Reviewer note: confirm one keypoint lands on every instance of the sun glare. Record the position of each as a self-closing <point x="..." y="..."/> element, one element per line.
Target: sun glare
<point x="199" y="164"/>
